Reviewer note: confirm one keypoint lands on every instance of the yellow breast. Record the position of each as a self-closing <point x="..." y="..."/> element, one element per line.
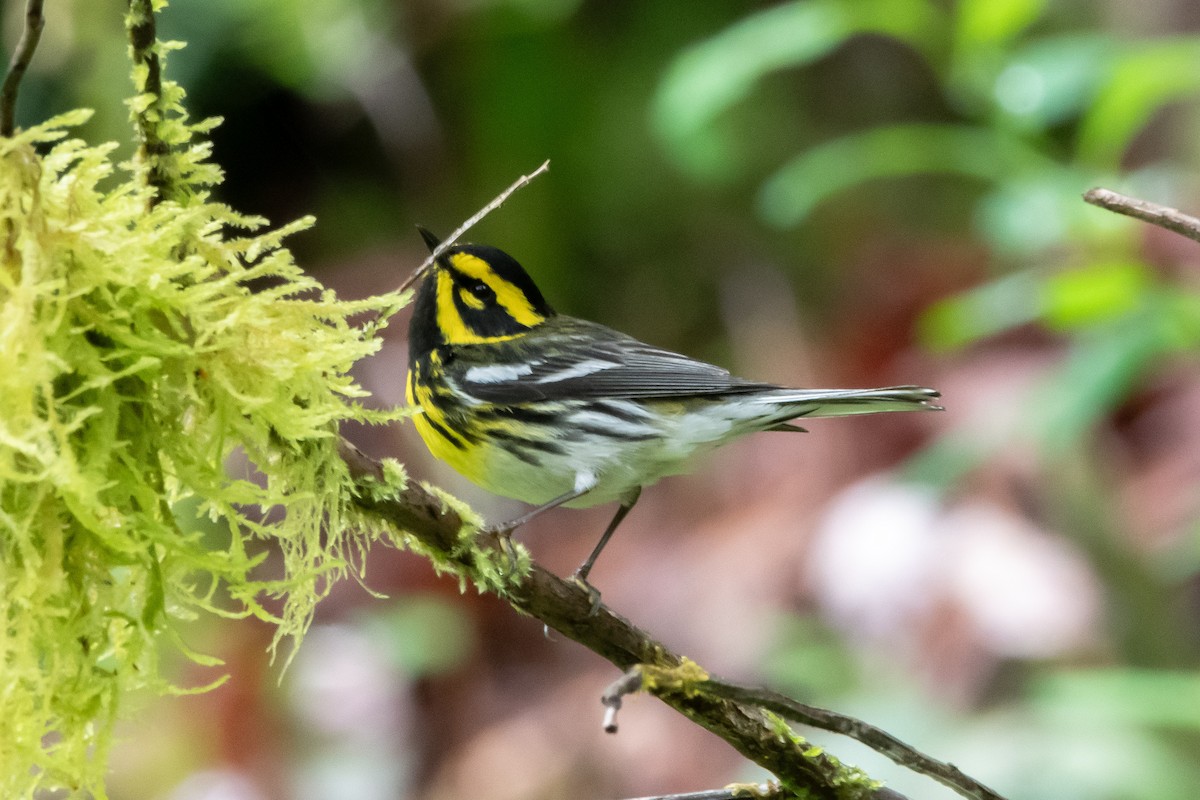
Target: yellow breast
<point x="444" y="439"/>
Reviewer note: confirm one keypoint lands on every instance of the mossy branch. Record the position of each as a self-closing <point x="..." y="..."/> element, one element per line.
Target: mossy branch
<point x="137" y="362"/>
<point x="876" y="738"/>
<point x="149" y="106"/>
<point x="749" y="720"/>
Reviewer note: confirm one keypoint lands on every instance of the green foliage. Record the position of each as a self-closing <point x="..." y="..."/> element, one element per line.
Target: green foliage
<point x="1141" y="82"/>
<point x="711" y="76"/>
<point x="798" y="187"/>
<point x="137" y="361"/>
<point x="1008" y="85"/>
<point x="1124" y="697"/>
<point x="1039" y="116"/>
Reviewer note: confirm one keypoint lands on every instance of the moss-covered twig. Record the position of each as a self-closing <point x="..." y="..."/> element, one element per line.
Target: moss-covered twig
<point x="877" y="739"/>
<point x="150" y="110"/>
<point x="21" y="58"/>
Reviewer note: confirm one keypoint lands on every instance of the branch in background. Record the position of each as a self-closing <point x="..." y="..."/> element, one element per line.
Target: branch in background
<point x="34" y="21"/>
<point x="1171" y="219"/>
<point x="752" y="791"/>
<point x="152" y="150"/>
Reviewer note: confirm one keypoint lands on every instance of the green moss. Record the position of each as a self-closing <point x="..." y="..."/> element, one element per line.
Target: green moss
<point x="162" y="429"/>
<point x="847" y="780"/>
<point x="687" y="678"/>
<point x="489" y="570"/>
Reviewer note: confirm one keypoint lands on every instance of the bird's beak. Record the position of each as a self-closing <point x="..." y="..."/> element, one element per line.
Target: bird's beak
<point x="431" y="241"/>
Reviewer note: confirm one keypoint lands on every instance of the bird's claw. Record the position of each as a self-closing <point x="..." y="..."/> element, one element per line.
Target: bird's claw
<point x="503" y="534"/>
<point x="580" y="580"/>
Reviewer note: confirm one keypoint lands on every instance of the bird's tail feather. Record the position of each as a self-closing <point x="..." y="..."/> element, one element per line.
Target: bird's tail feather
<point x="844" y="402"/>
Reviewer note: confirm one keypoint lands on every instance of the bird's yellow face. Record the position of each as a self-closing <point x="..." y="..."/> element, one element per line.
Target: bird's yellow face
<point x="474" y="295"/>
<point x="476" y="305"/>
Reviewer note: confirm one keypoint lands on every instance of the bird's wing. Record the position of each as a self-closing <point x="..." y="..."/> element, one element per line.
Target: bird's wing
<point x="582" y="361"/>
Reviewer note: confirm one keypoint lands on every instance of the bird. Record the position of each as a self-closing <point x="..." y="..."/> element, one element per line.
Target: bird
<point x="554" y="411"/>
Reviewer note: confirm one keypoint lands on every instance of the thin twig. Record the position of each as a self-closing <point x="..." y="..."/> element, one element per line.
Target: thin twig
<point x="152" y="150"/>
<point x="877" y="739"/>
<point x="627" y="684"/>
<point x="1171" y="219"/>
<point x="22" y="56"/>
<point x="449" y="241"/>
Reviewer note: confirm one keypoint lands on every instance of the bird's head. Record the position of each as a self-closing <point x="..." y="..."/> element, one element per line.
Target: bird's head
<point x="473" y="294"/>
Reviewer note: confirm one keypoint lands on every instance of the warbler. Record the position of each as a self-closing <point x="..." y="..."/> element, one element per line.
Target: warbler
<point x="558" y="411"/>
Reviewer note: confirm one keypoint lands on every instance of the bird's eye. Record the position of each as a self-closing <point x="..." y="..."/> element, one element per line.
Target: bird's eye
<point x="482" y="291"/>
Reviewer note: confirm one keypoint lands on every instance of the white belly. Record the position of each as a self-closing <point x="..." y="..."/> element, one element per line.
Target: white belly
<point x="641" y="450"/>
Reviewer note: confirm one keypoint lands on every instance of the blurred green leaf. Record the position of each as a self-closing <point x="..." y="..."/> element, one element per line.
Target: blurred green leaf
<point x="986" y="23"/>
<point x="316" y="47"/>
<point x="799" y="186"/>
<point x="1098" y="373"/>
<point x="1052" y="80"/>
<point x="1124" y="697"/>
<point x="712" y="75"/>
<point x="1094" y="293"/>
<point x="1140" y="84"/>
<point x="1030" y="213"/>
<point x="1181" y="315"/>
<point x="809" y="660"/>
<point x="949" y="458"/>
<point x="989" y="309"/>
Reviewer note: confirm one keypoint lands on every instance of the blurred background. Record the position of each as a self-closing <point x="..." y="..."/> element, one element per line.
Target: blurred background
<point x="820" y="193"/>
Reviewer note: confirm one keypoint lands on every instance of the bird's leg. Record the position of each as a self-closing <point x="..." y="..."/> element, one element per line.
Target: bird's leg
<point x="504" y="530"/>
<point x="580" y="575"/>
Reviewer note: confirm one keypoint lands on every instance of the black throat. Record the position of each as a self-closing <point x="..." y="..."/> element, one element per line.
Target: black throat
<point x="423" y="333"/>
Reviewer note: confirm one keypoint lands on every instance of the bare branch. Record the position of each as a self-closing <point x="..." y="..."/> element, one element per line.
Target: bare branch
<point x="613" y="696"/>
<point x="449" y="241"/>
<point x="1171" y="219"/>
<point x="22" y="56"/>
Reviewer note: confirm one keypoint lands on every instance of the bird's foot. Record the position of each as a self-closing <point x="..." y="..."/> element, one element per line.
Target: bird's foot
<point x="503" y="533"/>
<point x="579" y="578"/>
